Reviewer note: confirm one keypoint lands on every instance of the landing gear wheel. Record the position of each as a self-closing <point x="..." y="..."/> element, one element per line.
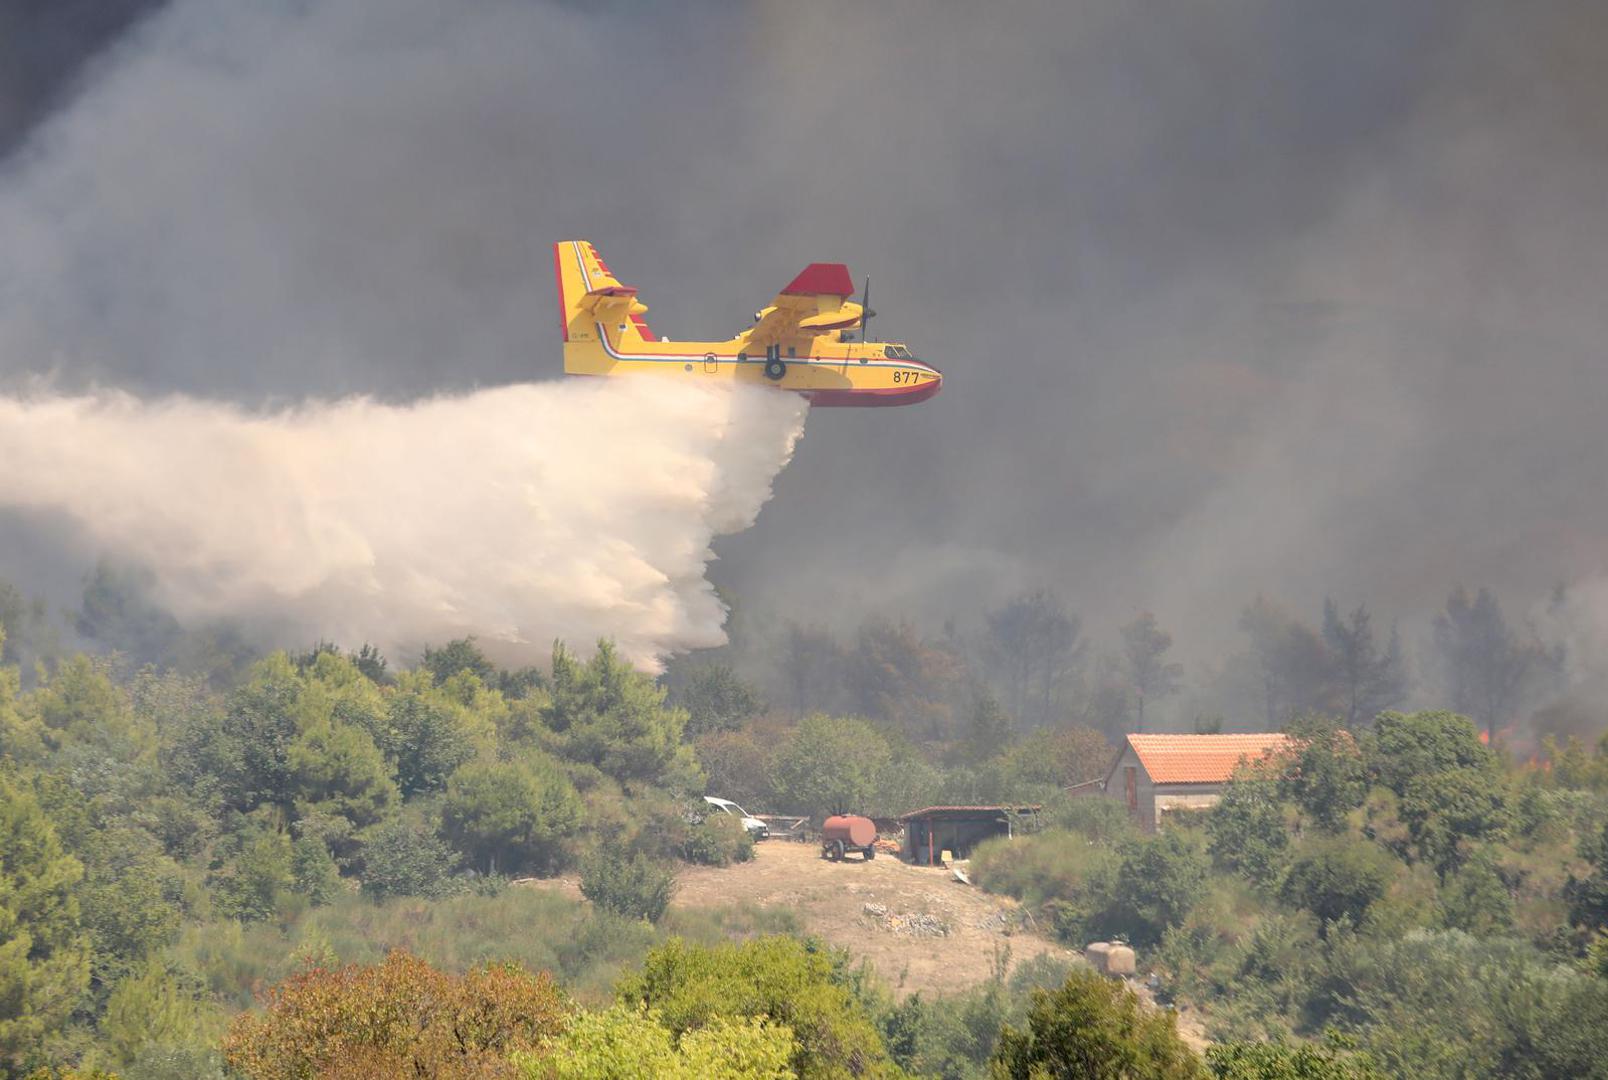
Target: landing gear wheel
<point x="774" y="368"/>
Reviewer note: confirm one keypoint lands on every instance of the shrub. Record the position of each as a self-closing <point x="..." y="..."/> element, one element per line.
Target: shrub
<point x="1101" y="820"/>
<point x="1160" y="879"/>
<point x="718" y="840"/>
<point x="1283" y="1061"/>
<point x="398" y="1018"/>
<point x="511" y="816"/>
<point x="1338" y="878"/>
<point x="1096" y="1029"/>
<point x="404" y="857"/>
<point x="779" y="979"/>
<point x="633" y="885"/>
<point x="1069" y="878"/>
<point x="1246" y="828"/>
<point x="626" y="1044"/>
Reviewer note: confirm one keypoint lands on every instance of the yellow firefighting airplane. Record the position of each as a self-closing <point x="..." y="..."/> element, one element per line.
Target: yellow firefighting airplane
<point x="804" y="341"/>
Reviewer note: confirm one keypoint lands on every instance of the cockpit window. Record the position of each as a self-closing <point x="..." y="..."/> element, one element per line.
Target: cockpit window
<point x="896" y="352"/>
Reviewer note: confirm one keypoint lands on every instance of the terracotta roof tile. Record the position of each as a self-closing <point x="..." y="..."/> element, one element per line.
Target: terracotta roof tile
<point x="1201" y="759"/>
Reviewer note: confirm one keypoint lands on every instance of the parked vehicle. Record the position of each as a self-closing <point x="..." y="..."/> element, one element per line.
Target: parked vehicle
<point x="756" y="828"/>
<point x="843" y="833"/>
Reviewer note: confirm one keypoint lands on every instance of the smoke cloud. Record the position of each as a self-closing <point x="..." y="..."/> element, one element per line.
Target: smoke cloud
<point x="580" y="510"/>
<point x="1263" y="296"/>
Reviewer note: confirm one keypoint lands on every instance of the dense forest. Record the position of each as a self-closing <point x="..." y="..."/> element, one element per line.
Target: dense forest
<point x="223" y="863"/>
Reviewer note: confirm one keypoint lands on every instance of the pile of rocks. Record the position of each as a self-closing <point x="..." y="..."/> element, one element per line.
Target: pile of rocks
<point x="917" y="924"/>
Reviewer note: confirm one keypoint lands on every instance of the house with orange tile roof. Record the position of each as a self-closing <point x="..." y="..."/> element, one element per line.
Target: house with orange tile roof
<point x="1158" y="773"/>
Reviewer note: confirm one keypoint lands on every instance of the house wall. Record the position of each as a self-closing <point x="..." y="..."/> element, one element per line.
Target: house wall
<point x="1185" y="797"/>
<point x="1156" y="799"/>
<point x="1117" y="788"/>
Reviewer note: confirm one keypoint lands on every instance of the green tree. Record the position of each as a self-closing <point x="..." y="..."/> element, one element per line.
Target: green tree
<point x="44" y="951"/>
<point x="1325" y="775"/>
<point x="511" y="816"/>
<point x="1406" y="746"/>
<point x="607" y="714"/>
<point x="1245" y="830"/>
<point x="337" y="770"/>
<point x="988" y="730"/>
<point x="1034" y="649"/>
<point x="830" y="765"/>
<point x="148" y="1007"/>
<point x="716" y="699"/>
<point x="1450" y="786"/>
<point x="1475" y="899"/>
<point x="1338" y="878"/>
<point x="1093" y="1029"/>
<point x="456" y="656"/>
<point x="1160" y="880"/>
<point x="426" y="739"/>
<point x="258" y="881"/>
<point x="404" y="857"/>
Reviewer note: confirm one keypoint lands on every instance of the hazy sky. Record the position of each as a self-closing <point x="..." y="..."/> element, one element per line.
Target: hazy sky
<point x="1248" y="296"/>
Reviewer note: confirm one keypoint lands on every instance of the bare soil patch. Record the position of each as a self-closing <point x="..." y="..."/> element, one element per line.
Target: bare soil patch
<point x="921" y="929"/>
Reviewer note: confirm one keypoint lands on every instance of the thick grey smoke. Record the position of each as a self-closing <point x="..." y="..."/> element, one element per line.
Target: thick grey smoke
<point x="1298" y="298"/>
<point x="579" y="509"/>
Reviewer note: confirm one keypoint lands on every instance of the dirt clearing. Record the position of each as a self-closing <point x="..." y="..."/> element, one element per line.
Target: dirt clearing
<point x="920" y="928"/>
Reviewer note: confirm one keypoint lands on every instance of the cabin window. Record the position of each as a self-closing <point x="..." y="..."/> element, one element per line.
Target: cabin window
<point x="890" y="352"/>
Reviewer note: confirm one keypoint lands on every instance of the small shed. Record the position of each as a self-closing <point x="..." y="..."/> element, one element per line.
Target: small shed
<point x="1157" y="773"/>
<point x="932" y="830"/>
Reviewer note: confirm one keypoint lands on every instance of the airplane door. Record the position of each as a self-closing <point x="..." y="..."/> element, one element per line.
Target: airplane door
<point x="711" y="363"/>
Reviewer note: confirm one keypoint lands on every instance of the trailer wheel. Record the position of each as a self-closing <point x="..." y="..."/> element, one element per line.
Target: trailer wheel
<point x="834" y="850"/>
<point x="870" y="853"/>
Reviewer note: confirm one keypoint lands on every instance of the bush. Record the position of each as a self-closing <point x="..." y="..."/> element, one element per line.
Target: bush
<point x="1094" y="1028"/>
<point x="1246" y="828"/>
<point x="1101" y="820"/>
<point x="405" y="858"/>
<point x="779" y="979"/>
<point x="1069" y="878"/>
<point x="1160" y="879"/>
<point x="511" y="816"/>
<point x="1282" y="1061"/>
<point x="398" y="1018"/>
<point x="718" y="840"/>
<point x="1338" y="879"/>
<point x="633" y="885"/>
<point x="626" y="1044"/>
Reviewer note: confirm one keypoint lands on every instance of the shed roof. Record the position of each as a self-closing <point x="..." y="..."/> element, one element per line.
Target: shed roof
<point x="969" y="811"/>
<point x="1202" y="759"/>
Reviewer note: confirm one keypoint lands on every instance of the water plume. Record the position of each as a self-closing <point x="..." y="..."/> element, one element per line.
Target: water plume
<point x="519" y="514"/>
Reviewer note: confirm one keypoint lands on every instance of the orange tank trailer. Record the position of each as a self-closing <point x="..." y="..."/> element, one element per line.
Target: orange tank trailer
<point x="843" y="833"/>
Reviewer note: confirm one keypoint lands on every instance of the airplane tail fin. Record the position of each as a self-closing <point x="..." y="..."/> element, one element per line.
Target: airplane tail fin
<point x="596" y="310"/>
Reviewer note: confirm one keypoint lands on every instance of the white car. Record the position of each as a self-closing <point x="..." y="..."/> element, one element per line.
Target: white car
<point x="756" y="828"/>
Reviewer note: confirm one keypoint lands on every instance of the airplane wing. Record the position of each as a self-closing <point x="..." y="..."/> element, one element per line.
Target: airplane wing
<point x="816" y="302"/>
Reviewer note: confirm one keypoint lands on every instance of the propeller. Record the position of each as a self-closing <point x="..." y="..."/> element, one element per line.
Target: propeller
<point x="865" y="308"/>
